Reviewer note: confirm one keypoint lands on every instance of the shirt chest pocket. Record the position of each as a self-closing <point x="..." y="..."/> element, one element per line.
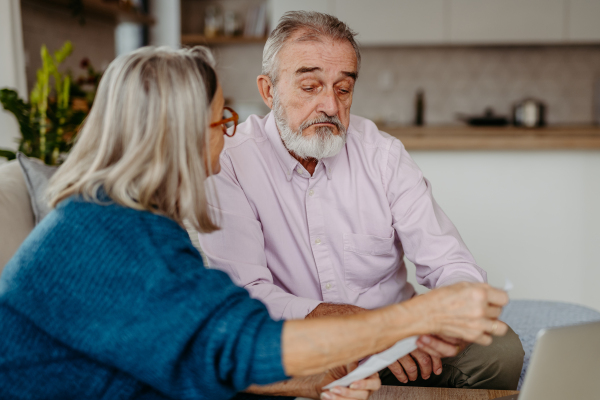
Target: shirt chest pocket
<point x="368" y="260"/>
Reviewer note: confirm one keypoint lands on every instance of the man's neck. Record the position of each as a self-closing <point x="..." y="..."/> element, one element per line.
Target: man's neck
<point x="309" y="163"/>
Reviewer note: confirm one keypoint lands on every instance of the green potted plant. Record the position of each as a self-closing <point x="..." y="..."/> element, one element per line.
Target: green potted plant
<point x="50" y="120"/>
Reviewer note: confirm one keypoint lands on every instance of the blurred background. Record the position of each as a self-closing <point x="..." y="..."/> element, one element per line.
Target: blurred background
<point x="498" y="102"/>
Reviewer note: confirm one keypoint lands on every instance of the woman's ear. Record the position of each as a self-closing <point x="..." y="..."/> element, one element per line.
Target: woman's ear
<point x="265" y="88"/>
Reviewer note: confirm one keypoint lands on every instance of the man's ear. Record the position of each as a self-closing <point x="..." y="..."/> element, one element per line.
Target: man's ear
<point x="265" y="88"/>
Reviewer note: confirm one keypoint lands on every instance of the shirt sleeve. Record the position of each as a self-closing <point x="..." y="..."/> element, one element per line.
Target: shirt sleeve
<point x="247" y="264"/>
<point x="145" y="305"/>
<point x="429" y="239"/>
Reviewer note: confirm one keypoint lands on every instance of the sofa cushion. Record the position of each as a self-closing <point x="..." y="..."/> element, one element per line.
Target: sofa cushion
<point x="16" y="214"/>
<point x="37" y="175"/>
<point x="528" y="317"/>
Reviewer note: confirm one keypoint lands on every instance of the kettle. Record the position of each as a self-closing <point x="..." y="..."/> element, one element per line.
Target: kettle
<point x="529" y="113"/>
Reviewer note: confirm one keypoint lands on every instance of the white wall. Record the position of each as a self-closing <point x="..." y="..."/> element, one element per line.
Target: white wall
<point x="532" y="217"/>
<point x="12" y="67"/>
<point x="167" y="28"/>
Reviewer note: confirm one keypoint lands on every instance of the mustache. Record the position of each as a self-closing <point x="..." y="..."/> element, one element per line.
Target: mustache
<point x="324" y="119"/>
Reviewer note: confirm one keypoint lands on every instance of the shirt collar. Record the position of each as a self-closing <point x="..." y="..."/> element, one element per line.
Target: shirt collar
<point x="287" y="162"/>
<point x="328" y="163"/>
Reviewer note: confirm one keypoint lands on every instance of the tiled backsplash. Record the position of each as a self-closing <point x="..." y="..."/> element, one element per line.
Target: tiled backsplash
<point x="454" y="79"/>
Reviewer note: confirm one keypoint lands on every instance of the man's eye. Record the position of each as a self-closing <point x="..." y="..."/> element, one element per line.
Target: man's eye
<point x="308" y="89"/>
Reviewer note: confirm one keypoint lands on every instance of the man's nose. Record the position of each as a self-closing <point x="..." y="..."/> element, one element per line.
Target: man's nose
<point x="328" y="103"/>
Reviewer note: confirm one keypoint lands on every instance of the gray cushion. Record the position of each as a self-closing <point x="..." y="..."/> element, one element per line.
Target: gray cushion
<point x="37" y="175"/>
<point x="16" y="215"/>
<point x="528" y="317"/>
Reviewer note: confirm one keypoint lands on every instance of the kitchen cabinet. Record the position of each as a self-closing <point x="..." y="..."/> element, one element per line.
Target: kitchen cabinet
<point x="583" y="23"/>
<point x="391" y="22"/>
<point x="506" y="21"/>
<point x="531" y="216"/>
<point x="378" y="22"/>
<point x="278" y="7"/>
<point x="459" y="22"/>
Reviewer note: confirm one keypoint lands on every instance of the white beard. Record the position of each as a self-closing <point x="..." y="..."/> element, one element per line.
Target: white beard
<point x="324" y="143"/>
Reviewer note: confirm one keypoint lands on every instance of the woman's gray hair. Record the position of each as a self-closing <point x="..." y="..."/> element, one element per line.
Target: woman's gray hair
<point x="145" y="140"/>
<point x="316" y="26"/>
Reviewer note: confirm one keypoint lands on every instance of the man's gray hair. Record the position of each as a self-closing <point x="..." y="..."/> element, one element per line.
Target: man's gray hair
<point x="316" y="26"/>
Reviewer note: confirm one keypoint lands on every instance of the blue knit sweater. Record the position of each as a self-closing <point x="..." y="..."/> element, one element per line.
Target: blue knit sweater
<point x="106" y="302"/>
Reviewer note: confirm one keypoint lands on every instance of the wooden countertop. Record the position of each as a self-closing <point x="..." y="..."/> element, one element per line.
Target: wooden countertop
<point x="423" y="393"/>
<point x="497" y="138"/>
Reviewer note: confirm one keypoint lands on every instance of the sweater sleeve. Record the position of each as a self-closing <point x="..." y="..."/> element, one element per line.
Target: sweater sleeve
<point x="128" y="289"/>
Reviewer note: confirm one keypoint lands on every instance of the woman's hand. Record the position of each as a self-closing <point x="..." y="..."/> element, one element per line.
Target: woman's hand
<point x="463" y="311"/>
<point x="312" y="386"/>
<point x="361" y="389"/>
<point x="466" y="311"/>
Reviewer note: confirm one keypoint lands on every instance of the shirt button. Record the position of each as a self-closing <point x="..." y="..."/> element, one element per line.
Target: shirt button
<point x="328" y="286"/>
<point x="317" y="241"/>
<point x="311" y="192"/>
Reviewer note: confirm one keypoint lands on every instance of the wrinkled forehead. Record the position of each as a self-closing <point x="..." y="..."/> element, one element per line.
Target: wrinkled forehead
<point x="310" y="50"/>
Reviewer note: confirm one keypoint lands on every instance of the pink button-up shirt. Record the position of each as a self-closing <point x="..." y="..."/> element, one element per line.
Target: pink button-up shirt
<point x="339" y="236"/>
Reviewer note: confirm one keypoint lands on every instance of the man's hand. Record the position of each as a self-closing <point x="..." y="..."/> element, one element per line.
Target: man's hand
<point x="405" y="368"/>
<point x="361" y="389"/>
<point x="428" y="357"/>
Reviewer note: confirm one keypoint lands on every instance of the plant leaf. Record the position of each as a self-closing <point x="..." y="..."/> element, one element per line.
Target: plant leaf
<point x="10" y="155"/>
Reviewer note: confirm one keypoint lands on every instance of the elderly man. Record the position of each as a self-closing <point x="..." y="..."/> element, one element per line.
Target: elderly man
<point x="321" y="207"/>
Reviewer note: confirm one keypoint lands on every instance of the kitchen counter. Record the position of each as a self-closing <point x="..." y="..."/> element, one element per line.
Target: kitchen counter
<point x="496" y="138"/>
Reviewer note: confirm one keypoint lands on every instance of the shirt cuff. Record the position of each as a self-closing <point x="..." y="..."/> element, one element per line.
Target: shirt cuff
<point x="458" y="277"/>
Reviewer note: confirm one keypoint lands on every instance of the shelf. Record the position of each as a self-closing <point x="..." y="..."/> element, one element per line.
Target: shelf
<point x="101" y="8"/>
<point x="496" y="138"/>
<point x="193" y="39"/>
<point x="114" y="9"/>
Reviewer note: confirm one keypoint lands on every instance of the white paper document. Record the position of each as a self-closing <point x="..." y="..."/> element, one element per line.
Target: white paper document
<point x="378" y="362"/>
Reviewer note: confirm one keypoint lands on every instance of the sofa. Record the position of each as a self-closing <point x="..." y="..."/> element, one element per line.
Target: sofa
<point x="16" y="213"/>
<point x="18" y="209"/>
<point x="20" y="182"/>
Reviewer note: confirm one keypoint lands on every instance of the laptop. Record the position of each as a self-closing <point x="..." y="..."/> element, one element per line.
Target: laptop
<point x="565" y="365"/>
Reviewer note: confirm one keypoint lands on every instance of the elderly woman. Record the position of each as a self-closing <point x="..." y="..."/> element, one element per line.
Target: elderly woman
<point x="107" y="298"/>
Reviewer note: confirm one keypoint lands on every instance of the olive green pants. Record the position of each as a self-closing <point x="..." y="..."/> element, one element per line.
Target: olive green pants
<point x="497" y="366"/>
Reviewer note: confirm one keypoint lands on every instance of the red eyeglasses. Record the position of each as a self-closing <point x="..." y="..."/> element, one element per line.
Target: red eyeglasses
<point x="230" y="118"/>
